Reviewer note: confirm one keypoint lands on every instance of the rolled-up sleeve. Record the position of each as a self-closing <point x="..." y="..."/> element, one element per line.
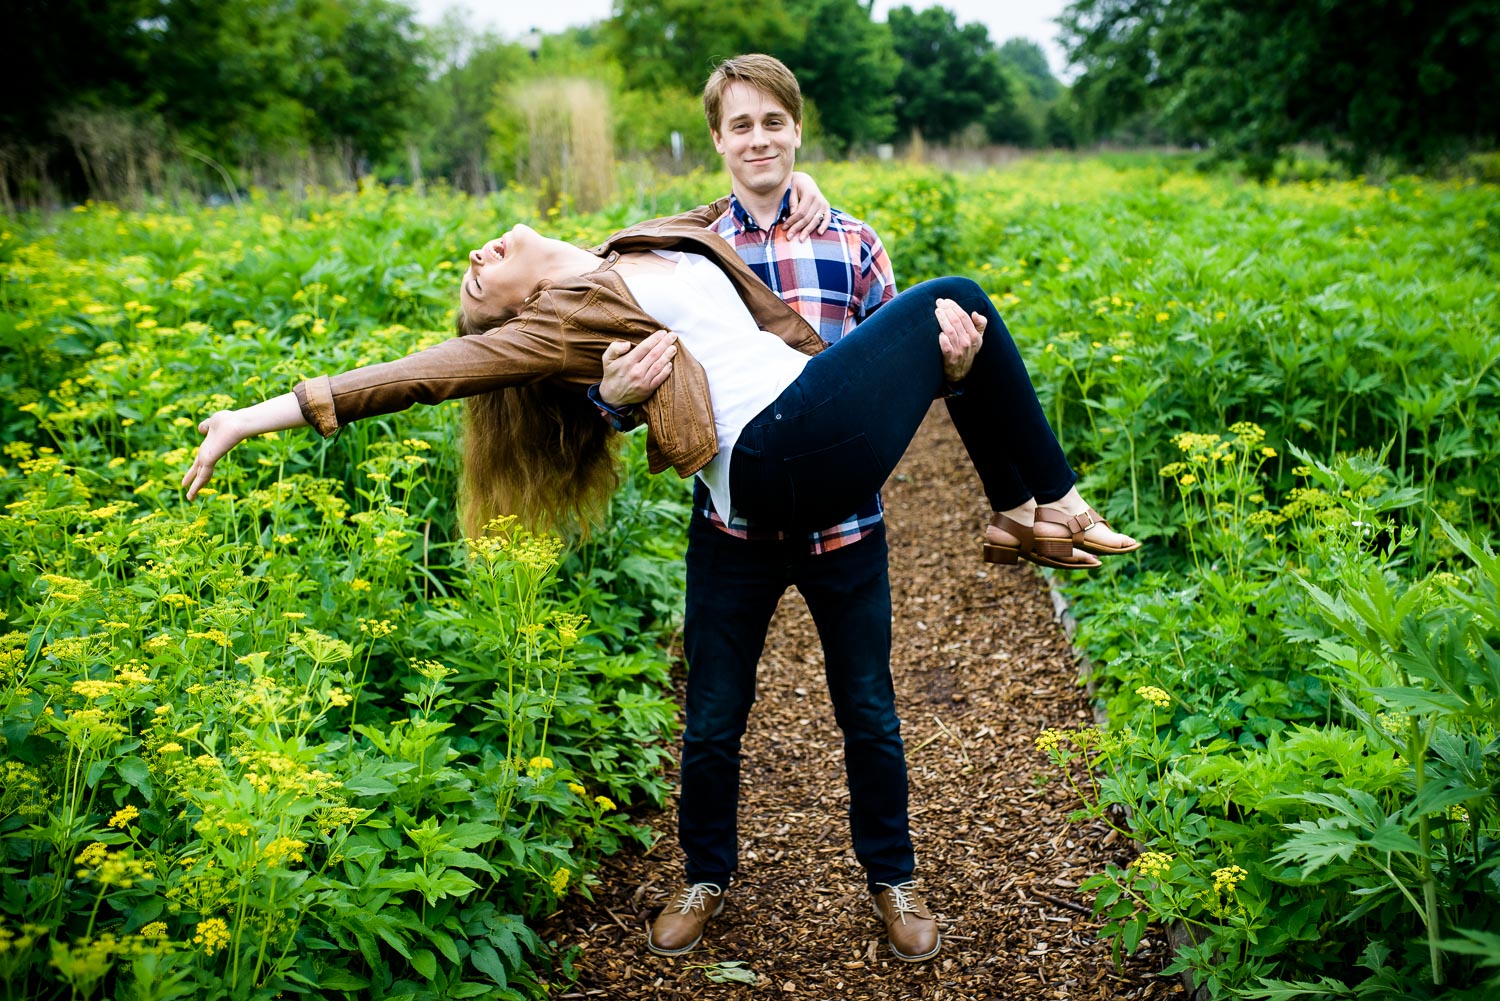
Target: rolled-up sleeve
<point x="315" y="398"/>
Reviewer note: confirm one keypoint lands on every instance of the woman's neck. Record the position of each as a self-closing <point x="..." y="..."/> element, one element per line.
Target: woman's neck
<point x="568" y="261"/>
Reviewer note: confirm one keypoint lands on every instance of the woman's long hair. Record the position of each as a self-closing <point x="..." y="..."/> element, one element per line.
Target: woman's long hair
<point x="539" y="452"/>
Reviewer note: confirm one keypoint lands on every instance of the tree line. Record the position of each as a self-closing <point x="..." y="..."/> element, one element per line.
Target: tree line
<point x="114" y="97"/>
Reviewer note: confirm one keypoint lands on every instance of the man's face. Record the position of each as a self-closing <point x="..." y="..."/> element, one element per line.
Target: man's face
<point x="758" y="140"/>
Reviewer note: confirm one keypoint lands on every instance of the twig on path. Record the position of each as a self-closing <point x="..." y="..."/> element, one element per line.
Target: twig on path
<point x="957" y="740"/>
<point x="616" y="919"/>
<point x="1059" y="901"/>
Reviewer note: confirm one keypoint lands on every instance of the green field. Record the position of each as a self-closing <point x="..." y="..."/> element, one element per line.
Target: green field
<point x="298" y="738"/>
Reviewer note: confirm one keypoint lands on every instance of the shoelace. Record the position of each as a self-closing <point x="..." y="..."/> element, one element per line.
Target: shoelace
<point x="696" y="896"/>
<point x="901" y="898"/>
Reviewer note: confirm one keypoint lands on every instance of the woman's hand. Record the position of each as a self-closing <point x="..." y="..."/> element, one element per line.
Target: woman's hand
<point x="960" y="335"/>
<point x="221" y="432"/>
<point x="809" y="211"/>
<point x="227" y="428"/>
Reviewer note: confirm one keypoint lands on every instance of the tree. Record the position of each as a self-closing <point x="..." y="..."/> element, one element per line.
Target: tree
<point x="452" y="134"/>
<point x="676" y="43"/>
<point x="371" y="72"/>
<point x="64" y="53"/>
<point x="847" y="67"/>
<point x="1399" y="78"/>
<point x="1029" y="63"/>
<point x="950" y="76"/>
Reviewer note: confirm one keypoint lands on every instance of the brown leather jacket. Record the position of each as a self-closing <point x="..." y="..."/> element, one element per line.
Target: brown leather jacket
<point x="560" y="335"/>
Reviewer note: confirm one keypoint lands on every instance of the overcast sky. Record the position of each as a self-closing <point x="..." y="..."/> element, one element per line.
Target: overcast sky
<point x="1005" y="18"/>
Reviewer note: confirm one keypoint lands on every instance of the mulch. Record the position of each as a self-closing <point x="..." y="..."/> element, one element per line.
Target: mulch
<point x="981" y="666"/>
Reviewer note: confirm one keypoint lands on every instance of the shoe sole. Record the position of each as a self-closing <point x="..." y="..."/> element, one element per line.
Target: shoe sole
<point x="1095" y="549"/>
<point x="691" y="945"/>
<point x="917" y="959"/>
<point x="1010" y="556"/>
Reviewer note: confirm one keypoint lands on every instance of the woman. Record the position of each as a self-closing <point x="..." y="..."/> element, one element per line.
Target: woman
<point x="808" y="436"/>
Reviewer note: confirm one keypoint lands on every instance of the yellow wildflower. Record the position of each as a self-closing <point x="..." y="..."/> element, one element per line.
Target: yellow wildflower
<point x="1228" y="878"/>
<point x="284" y="848"/>
<point x="94" y="688"/>
<point x="1154" y="695"/>
<point x="605" y="803"/>
<point x="578" y="789"/>
<point x="1047" y="741"/>
<point x="93" y="855"/>
<point x="559" y="881"/>
<point x="376" y="628"/>
<point x="213" y="935"/>
<point x="1153" y="865"/>
<point x="124" y="816"/>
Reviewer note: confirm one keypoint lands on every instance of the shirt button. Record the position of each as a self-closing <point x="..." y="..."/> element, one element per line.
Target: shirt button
<point x="778" y="417"/>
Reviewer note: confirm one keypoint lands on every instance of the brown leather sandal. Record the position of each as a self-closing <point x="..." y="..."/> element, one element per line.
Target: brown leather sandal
<point x="1043" y="551"/>
<point x="1081" y="523"/>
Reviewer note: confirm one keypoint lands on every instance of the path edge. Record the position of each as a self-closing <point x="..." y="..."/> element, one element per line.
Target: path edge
<point x="1178" y="934"/>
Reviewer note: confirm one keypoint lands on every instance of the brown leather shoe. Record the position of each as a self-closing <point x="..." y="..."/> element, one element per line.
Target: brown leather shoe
<point x="679" y="927"/>
<point x="909" y="925"/>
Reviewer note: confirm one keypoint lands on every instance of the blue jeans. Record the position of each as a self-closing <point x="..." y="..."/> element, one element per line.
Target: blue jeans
<point x="836" y="433"/>
<point x="733" y="587"/>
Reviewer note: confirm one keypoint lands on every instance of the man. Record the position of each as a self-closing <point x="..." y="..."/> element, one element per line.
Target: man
<point x="737" y="572"/>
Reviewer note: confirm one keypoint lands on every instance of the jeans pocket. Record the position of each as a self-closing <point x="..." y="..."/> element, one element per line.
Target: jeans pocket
<point x="829" y="483"/>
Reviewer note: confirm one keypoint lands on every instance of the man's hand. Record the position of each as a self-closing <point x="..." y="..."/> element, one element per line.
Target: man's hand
<point x="631" y="374"/>
<point x="809" y="211"/>
<point x="959" y="335"/>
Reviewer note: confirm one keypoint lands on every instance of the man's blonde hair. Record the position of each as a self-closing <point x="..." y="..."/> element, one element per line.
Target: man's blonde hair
<point x="765" y="73"/>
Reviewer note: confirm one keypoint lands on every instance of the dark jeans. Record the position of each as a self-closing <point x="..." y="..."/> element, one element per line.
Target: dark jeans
<point x="836" y="433"/>
<point x="733" y="587"/>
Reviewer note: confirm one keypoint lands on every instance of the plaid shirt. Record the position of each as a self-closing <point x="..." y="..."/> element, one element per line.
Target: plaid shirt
<point x="834" y="280"/>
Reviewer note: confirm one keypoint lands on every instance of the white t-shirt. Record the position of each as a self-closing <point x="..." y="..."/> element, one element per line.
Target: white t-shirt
<point x="747" y="367"/>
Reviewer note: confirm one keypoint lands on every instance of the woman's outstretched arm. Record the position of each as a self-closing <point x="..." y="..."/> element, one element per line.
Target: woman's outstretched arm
<point x="227" y="428"/>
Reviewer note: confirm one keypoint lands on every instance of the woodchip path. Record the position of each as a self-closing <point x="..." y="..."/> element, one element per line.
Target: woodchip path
<point x="980" y="668"/>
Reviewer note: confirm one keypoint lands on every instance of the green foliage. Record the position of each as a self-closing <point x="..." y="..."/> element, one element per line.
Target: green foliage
<point x="1028" y="60"/>
<point x="950" y="76"/>
<point x="1405" y="80"/>
<point x="847" y="67"/>
<point x="676" y="43"/>
<point x="1031" y="119"/>
<point x="296" y="737"/>
<point x="454" y="135"/>
<point x="1300" y="670"/>
<point x="1289" y="391"/>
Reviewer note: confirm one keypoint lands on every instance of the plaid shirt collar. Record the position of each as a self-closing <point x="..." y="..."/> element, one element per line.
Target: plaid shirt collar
<point x="744" y="222"/>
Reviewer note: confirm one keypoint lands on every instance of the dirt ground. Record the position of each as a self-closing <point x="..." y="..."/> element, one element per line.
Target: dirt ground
<point x="981" y="666"/>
